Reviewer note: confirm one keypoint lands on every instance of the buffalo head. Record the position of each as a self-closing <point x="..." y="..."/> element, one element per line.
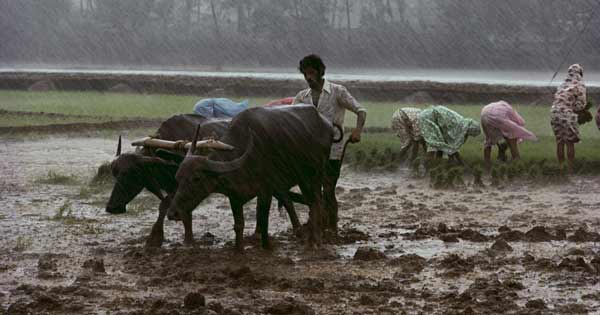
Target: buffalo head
<point x="133" y="172"/>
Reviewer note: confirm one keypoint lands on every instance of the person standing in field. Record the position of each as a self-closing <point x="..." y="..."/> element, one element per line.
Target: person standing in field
<point x="406" y="126"/>
<point x="331" y="100"/>
<point x="569" y="99"/>
<point x="445" y="131"/>
<point x="502" y="126"/>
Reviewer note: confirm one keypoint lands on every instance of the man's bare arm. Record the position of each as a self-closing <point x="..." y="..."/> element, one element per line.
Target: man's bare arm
<point x="361" y="117"/>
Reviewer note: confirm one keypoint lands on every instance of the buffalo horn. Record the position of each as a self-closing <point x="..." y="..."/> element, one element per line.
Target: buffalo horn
<point x="229" y="166"/>
<point x="119" y="146"/>
<point x="192" y="148"/>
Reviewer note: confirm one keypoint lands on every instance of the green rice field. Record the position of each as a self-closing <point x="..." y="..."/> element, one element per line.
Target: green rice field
<point x="101" y="107"/>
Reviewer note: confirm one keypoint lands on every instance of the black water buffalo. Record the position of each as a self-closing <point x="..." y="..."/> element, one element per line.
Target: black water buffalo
<point x="144" y="169"/>
<point x="275" y="149"/>
<point x="155" y="169"/>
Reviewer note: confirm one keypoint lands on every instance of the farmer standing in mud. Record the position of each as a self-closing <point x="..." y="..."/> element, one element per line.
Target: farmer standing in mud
<point x="569" y="100"/>
<point x="332" y="100"/>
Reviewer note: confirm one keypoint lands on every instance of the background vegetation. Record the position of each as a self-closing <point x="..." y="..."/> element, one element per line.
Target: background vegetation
<point x="488" y="34"/>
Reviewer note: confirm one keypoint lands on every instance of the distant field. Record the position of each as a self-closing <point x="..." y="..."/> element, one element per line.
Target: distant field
<point x="114" y="106"/>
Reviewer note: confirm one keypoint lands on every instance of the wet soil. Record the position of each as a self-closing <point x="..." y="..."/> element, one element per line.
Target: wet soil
<point x="403" y="248"/>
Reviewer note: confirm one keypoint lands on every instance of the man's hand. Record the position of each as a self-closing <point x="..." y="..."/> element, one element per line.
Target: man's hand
<point x="355" y="136"/>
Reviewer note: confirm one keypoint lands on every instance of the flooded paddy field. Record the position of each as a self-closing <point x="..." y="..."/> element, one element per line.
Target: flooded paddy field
<point x="403" y="248"/>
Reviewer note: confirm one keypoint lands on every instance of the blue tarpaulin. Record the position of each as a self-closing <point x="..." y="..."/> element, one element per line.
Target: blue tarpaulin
<point x="219" y="107"/>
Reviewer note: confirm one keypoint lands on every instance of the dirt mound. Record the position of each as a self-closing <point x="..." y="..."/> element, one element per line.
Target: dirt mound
<point x="456" y="266"/>
<point x="368" y="253"/>
<point x="576" y="265"/>
<point x="449" y="238"/>
<point x="47" y="267"/>
<point x="500" y="246"/>
<point x="485" y="296"/>
<point x="194" y="300"/>
<point x="95" y="265"/>
<point x="583" y="235"/>
<point x="410" y="263"/>
<point x="43" y="302"/>
<point x="539" y="234"/>
<point x="352" y="235"/>
<point x="572" y="309"/>
<point x="511" y="235"/>
<point x="537" y="304"/>
<point x="290" y="306"/>
<point x="420" y="234"/>
<point x="473" y="236"/>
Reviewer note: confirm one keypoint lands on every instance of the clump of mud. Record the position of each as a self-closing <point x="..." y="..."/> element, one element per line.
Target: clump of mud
<point x="352" y="235"/>
<point x="536" y="234"/>
<point x="194" y="300"/>
<point x="576" y="265"/>
<point x="486" y="296"/>
<point x="539" y="234"/>
<point x="95" y="265"/>
<point x="41" y="301"/>
<point x="583" y="235"/>
<point x="456" y="266"/>
<point x="368" y="253"/>
<point x="290" y="306"/>
<point x="473" y="236"/>
<point x="409" y="264"/>
<point x="47" y="266"/>
<point x="510" y="235"/>
<point x="446" y="234"/>
<point x="537" y="304"/>
<point x="500" y="246"/>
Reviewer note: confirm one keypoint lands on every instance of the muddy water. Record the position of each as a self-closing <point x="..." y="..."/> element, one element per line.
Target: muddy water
<point x="402" y="247"/>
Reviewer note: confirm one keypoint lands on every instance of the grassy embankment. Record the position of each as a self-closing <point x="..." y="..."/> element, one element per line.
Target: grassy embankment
<point x="379" y="147"/>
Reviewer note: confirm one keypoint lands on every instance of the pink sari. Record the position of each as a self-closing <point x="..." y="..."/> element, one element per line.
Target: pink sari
<point x="499" y="121"/>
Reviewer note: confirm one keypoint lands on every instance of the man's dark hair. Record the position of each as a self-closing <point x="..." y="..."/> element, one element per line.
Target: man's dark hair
<point x="312" y="61"/>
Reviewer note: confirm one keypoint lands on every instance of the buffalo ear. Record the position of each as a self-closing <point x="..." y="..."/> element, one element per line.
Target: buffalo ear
<point x="169" y="156"/>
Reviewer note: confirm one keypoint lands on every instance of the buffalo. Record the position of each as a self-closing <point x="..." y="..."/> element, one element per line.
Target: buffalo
<point x="155" y="169"/>
<point x="275" y="149"/>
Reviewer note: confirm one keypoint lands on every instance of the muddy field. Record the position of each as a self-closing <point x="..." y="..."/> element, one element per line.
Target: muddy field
<point x="403" y="248"/>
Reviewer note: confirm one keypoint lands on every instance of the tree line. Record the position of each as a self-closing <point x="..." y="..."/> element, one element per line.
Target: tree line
<point x="487" y="34"/>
